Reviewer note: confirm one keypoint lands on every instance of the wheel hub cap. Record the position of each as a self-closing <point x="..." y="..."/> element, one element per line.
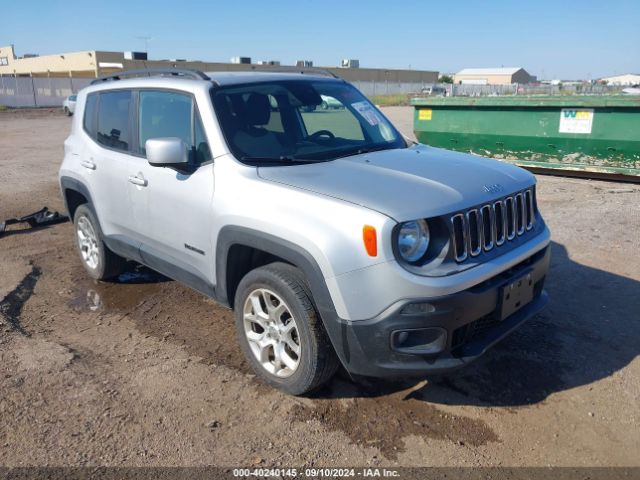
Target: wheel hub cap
<point x="272" y="332"/>
<point x="88" y="242"/>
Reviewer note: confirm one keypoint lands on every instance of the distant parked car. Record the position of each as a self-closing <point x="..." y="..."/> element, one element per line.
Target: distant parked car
<point x="435" y="90"/>
<point x="69" y="105"/>
<point x="634" y="90"/>
<point x="329" y="102"/>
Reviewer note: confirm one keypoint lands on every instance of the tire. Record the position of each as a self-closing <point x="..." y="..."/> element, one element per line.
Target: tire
<point x="284" y="288"/>
<point x="67" y="112"/>
<point x="99" y="262"/>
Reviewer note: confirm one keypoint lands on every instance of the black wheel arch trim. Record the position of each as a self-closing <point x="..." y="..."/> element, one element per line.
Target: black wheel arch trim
<point x="70" y="183"/>
<point x="236" y="235"/>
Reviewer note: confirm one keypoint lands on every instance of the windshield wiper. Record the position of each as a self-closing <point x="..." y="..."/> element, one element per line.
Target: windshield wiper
<point x="281" y="159"/>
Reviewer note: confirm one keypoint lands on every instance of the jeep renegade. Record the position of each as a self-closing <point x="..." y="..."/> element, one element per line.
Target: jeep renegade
<point x="334" y="239"/>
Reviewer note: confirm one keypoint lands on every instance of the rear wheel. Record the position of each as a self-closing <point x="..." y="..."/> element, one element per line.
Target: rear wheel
<point x="280" y="332"/>
<point x="99" y="262"/>
<point x="67" y="112"/>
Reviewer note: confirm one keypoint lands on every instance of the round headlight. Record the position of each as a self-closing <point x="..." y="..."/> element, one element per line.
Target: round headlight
<point x="413" y="240"/>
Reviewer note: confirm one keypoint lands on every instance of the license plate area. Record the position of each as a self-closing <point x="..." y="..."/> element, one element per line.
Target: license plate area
<point x="515" y="295"/>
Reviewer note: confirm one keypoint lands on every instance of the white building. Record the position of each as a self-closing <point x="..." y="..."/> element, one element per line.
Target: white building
<point x="626" y="79"/>
<point x="493" y="76"/>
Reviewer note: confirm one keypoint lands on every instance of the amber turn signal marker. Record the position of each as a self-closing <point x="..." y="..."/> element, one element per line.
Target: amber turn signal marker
<point x="370" y="239"/>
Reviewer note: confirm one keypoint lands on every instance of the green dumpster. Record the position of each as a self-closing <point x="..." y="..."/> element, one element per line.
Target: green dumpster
<point x="598" y="134"/>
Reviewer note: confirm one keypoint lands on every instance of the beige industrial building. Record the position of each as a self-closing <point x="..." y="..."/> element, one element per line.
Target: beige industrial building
<point x="493" y="76"/>
<point x="93" y="63"/>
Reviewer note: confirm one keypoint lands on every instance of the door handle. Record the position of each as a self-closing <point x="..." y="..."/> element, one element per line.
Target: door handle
<point x="88" y="164"/>
<point x="138" y="181"/>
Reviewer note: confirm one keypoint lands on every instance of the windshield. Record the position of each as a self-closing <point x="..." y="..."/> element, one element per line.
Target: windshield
<point x="300" y="120"/>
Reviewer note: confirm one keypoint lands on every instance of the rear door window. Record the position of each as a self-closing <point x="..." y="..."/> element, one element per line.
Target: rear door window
<point x="114" y="120"/>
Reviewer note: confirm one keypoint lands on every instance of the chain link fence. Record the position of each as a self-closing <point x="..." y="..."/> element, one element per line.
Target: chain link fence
<point x="38" y="91"/>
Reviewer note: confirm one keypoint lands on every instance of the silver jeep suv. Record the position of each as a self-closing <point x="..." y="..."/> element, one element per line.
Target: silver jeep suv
<point x="333" y="239"/>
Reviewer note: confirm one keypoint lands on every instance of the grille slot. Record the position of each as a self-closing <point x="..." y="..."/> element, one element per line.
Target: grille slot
<point x="520" y="214"/>
<point x="491" y="225"/>
<point x="528" y="200"/>
<point x="459" y="237"/>
<point x="510" y="208"/>
<point x="488" y="227"/>
<point x="500" y="220"/>
<point x="475" y="232"/>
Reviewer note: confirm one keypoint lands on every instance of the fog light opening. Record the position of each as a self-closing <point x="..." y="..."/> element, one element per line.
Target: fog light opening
<point x="421" y="341"/>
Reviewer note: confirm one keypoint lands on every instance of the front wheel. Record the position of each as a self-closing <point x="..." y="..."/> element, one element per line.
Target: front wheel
<point x="99" y="262"/>
<point x="280" y="332"/>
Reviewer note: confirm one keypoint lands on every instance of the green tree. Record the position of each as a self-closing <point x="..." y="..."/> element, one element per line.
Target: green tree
<point x="445" y="79"/>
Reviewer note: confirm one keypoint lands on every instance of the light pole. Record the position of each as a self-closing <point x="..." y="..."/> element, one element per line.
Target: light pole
<point x="146" y="43"/>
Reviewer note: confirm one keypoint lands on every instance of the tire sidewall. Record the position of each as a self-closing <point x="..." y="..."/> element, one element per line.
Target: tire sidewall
<point x="302" y="377"/>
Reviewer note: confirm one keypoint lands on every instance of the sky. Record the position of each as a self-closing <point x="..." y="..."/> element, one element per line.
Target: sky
<point x="563" y="39"/>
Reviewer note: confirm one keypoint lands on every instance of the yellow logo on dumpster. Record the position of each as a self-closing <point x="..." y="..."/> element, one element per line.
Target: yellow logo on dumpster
<point x="424" y="114"/>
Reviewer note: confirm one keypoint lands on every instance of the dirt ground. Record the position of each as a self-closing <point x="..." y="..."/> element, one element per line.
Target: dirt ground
<point x="144" y="371"/>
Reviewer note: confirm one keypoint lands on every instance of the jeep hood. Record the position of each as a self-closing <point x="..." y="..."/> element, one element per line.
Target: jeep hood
<point x="409" y="183"/>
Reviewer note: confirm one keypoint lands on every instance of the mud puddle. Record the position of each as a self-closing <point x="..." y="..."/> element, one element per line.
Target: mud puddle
<point x="166" y="310"/>
<point x="124" y="294"/>
<point x="374" y="418"/>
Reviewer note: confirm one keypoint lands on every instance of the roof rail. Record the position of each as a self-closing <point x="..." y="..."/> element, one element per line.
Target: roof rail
<point x="294" y="69"/>
<point x="171" y="72"/>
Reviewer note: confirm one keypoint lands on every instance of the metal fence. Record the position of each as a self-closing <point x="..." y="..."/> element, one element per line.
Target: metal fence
<point x="371" y="88"/>
<point x="467" y="90"/>
<point x="38" y="91"/>
<point x="51" y="91"/>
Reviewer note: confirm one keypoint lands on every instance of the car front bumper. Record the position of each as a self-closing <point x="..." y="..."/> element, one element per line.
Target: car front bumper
<point x="471" y="319"/>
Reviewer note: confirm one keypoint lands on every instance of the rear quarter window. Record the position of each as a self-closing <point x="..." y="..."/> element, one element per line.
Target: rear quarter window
<point x="89" y="120"/>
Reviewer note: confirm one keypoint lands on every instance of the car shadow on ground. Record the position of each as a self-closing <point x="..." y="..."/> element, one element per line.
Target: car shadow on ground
<point x="590" y="330"/>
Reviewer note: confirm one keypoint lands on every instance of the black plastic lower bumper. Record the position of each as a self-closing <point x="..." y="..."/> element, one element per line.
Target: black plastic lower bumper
<point x="471" y="319"/>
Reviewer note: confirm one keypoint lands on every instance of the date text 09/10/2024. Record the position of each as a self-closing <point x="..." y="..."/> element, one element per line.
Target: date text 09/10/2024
<point x="316" y="473"/>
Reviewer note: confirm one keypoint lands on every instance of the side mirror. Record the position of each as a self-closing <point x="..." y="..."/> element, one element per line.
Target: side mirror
<point x="167" y="152"/>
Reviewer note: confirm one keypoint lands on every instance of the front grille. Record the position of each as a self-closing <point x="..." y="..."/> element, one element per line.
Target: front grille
<point x="491" y="225"/>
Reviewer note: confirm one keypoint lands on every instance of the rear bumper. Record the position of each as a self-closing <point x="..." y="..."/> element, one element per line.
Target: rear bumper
<point x="470" y="318"/>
